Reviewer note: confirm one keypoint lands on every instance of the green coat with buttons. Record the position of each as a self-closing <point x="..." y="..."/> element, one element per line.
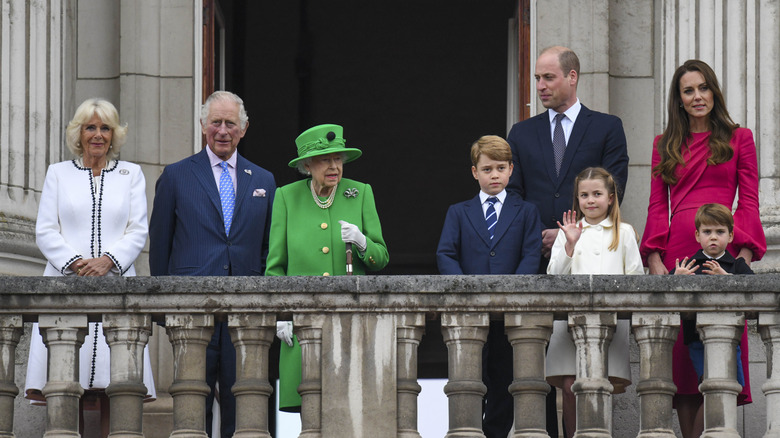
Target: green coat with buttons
<point x="306" y="239"/>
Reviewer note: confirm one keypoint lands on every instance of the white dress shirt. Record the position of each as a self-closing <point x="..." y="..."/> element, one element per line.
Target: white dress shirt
<point x="483" y="197"/>
<point x="567" y="123"/>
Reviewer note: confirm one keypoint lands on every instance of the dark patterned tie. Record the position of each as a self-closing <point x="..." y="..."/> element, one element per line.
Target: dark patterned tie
<point x="491" y="218"/>
<point x="559" y="143"/>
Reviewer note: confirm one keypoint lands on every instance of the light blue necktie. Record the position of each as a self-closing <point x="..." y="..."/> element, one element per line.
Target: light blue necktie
<point x="491" y="218"/>
<point x="227" y="196"/>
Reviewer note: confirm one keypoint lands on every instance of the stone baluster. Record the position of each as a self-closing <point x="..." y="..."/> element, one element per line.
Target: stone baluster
<point x="127" y="335"/>
<point x="308" y="329"/>
<point x="189" y="335"/>
<point x="10" y="331"/>
<point x="769" y="328"/>
<point x="252" y="334"/>
<point x="720" y="333"/>
<point x="409" y="328"/>
<point x="529" y="334"/>
<point x="465" y="335"/>
<point x="592" y="333"/>
<point x="655" y="333"/>
<point x="63" y="336"/>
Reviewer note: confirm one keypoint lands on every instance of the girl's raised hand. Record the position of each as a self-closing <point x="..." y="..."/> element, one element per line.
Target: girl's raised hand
<point x="685" y="267"/>
<point x="571" y="229"/>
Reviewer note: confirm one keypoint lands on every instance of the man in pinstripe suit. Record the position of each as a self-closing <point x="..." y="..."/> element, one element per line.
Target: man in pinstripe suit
<point x="191" y="233"/>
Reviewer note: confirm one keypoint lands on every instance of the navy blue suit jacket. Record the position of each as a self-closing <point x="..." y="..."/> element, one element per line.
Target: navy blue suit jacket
<point x="187" y="233"/>
<point x="597" y="139"/>
<point x="465" y="246"/>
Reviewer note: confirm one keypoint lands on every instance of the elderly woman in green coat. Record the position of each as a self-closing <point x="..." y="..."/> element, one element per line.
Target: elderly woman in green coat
<point x="312" y="221"/>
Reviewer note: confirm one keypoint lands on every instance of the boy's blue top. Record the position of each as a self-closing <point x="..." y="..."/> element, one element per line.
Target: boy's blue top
<point x="465" y="246"/>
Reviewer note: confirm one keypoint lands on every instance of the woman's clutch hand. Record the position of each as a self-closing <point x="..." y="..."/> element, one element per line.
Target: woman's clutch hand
<point x="284" y="332"/>
<point x="95" y="267"/>
<point x="351" y="234"/>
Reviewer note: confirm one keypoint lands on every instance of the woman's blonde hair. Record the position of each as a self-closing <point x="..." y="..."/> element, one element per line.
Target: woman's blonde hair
<point x="108" y="115"/>
<point x="613" y="211"/>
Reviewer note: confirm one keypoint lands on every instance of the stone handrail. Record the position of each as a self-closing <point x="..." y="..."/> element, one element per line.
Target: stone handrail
<point x="375" y="323"/>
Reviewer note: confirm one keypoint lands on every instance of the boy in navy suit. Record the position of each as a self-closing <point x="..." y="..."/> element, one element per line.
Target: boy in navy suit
<point x="495" y="232"/>
<point x="714" y="231"/>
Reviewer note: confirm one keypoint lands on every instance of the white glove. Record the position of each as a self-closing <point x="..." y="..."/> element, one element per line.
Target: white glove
<point x="351" y="234"/>
<point x="284" y="331"/>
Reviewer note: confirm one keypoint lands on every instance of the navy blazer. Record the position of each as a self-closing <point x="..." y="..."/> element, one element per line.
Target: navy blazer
<point x="597" y="139"/>
<point x="186" y="231"/>
<point x="465" y="246"/>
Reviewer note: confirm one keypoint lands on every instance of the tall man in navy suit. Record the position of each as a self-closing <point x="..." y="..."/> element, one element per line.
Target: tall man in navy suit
<point x="213" y="219"/>
<point x="546" y="164"/>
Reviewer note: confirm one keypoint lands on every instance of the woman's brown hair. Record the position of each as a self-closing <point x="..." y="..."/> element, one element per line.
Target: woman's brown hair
<point x="678" y="132"/>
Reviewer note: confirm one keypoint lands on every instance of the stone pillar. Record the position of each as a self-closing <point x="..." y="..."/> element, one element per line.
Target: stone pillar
<point x="11" y="328"/>
<point x="465" y="335"/>
<point x="127" y="335"/>
<point x="252" y="334"/>
<point x="769" y="328"/>
<point x="63" y="336"/>
<point x="592" y="333"/>
<point x="529" y="334"/>
<point x="720" y="332"/>
<point x="655" y="333"/>
<point x="410" y="328"/>
<point x="189" y="335"/>
<point x="309" y="332"/>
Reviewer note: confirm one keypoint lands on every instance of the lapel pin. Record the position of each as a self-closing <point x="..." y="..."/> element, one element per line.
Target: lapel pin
<point x="248" y="171"/>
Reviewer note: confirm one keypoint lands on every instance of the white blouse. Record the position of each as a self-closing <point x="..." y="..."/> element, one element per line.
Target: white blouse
<point x="79" y="217"/>
<point x="592" y="255"/>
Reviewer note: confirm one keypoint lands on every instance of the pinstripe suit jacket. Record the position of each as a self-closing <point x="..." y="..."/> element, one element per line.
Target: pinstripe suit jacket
<point x="187" y="233"/>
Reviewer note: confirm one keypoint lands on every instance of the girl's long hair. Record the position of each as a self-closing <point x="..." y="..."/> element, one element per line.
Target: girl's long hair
<point x="678" y="133"/>
<point x="613" y="212"/>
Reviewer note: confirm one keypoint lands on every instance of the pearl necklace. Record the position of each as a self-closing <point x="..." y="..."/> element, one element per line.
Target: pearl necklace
<point x="328" y="202"/>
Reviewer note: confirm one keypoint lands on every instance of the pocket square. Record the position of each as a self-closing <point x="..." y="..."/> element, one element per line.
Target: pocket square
<point x="259" y="193"/>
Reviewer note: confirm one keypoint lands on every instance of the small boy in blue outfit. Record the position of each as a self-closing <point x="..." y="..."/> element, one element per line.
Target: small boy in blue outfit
<point x="714" y="231"/>
<point x="496" y="232"/>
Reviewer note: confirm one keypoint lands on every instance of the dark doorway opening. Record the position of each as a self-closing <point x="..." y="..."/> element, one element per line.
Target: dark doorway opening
<point x="414" y="83"/>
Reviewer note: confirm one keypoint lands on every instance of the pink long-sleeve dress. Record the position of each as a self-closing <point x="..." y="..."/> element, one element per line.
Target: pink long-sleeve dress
<point x="673" y="235"/>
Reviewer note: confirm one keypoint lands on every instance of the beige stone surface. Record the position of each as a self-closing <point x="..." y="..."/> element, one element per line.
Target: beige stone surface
<point x="98" y="48"/>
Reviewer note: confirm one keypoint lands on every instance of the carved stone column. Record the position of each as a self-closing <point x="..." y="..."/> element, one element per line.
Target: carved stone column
<point x="309" y="331"/>
<point x="127" y="336"/>
<point x="592" y="334"/>
<point x="720" y="332"/>
<point x="529" y="334"/>
<point x="252" y="334"/>
<point x="189" y="335"/>
<point x="11" y="328"/>
<point x="63" y="336"/>
<point x="465" y="335"/>
<point x="769" y="328"/>
<point x="410" y="328"/>
<point x="655" y="333"/>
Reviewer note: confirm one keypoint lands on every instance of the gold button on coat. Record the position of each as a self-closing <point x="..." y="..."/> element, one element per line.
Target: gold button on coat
<point x="326" y="275"/>
<point x="325" y="250"/>
<point x="324" y="226"/>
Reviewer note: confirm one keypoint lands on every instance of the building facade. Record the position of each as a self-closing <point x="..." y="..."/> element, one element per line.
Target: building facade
<point x="147" y="56"/>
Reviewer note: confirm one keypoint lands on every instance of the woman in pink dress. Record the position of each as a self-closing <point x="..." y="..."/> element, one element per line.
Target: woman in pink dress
<point x="702" y="157"/>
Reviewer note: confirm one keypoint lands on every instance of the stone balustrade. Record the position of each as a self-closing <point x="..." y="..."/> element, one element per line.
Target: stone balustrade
<point x="359" y="339"/>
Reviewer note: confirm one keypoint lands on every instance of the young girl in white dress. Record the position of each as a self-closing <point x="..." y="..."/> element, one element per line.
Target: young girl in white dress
<point x="597" y="243"/>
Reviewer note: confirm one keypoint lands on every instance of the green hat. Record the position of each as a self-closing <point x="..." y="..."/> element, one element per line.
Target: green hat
<point x="323" y="140"/>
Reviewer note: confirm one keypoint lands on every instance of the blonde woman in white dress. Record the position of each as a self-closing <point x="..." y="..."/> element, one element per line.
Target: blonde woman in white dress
<point x="91" y="222"/>
<point x="597" y="243"/>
